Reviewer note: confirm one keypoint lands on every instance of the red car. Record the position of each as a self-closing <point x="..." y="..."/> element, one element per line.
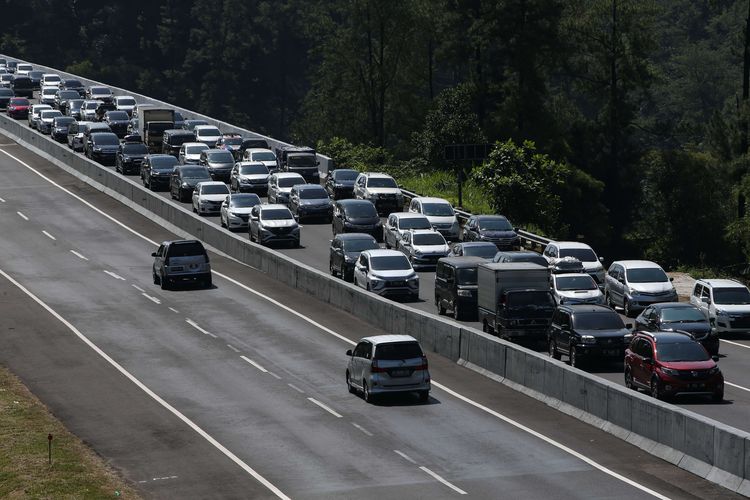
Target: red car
<point x="18" y="107"/>
<point x="670" y="364"/>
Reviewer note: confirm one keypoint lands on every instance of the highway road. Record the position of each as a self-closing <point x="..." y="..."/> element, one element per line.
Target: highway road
<point x="238" y="391"/>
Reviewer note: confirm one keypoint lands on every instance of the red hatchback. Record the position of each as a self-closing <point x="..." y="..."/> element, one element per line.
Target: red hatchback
<point x="18" y="107"/>
<point x="670" y="364"/>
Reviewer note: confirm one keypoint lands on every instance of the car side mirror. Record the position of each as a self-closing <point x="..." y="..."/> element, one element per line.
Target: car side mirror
<point x="648" y="361"/>
<point x="153" y="254"/>
<point x="705" y="300"/>
<point x="715" y="358"/>
<point x="671" y="278"/>
<point x="348" y="352"/>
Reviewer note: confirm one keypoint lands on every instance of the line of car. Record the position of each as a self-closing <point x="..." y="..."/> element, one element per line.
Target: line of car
<point x="225" y="175"/>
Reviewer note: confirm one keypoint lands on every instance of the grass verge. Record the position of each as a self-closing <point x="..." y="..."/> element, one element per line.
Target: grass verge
<point x="25" y="472"/>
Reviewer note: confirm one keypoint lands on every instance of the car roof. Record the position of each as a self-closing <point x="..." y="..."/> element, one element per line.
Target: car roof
<point x="286" y="175"/>
<point x="195" y="143"/>
<point x="382" y="252"/>
<point x="423" y="231"/>
<point x="673" y="305"/>
<point x="170" y="242"/>
<point x="637" y="264"/>
<point x="570" y="275"/>
<point x="353" y="201"/>
<point x="463" y="261"/>
<point x="259" y="150"/>
<point x="211" y="183"/>
<point x="274" y="205"/>
<point x="491" y="216"/>
<point x="723" y="283"/>
<point x="519" y="253"/>
<point x="408" y="215"/>
<point x="309" y="187"/>
<point x="203" y="127"/>
<point x="431" y="199"/>
<point x="389" y="339"/>
<point x="587" y="308"/>
<point x="668" y="337"/>
<point x="570" y="244"/>
<point x="476" y="244"/>
<point x="354" y="236"/>
<point x="376" y="174"/>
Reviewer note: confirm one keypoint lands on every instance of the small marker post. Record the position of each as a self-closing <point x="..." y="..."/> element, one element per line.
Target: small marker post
<point x="49" y="447"/>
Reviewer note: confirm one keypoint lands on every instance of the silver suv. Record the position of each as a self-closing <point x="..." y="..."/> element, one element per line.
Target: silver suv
<point x="273" y="223"/>
<point x="388" y="364"/>
<point x="386" y="272"/>
<point x="400" y="222"/>
<point x="381" y="189"/>
<point x="181" y="261"/>
<point x="636" y="284"/>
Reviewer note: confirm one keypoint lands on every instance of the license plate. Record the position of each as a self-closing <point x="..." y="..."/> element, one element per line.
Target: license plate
<point x="611" y="352"/>
<point x="399" y="373"/>
<point x="697" y="386"/>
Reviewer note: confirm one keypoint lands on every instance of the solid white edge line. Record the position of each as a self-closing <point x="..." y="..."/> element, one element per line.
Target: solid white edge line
<point x="79" y="255"/>
<point x="551" y="441"/>
<point x="256" y="365"/>
<point x="234" y="458"/>
<point x="737" y="386"/>
<point x="445" y="482"/>
<point x="325" y="407"/>
<point x="45" y="233"/>
<point x="405" y="456"/>
<point x="22" y="216"/>
<point x="734" y="343"/>
<point x="350" y="342"/>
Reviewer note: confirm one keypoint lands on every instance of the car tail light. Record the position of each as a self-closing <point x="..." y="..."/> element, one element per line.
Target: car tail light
<point x="375" y="368"/>
<point x="424" y="364"/>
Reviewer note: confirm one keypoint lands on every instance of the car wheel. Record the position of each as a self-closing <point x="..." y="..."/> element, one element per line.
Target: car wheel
<point x="349" y="385"/>
<point x="440" y="308"/>
<point x="424" y="396"/>
<point x="608" y="301"/>
<point x="164" y="282"/>
<point x="221" y="220"/>
<point x="156" y="278"/>
<point x="366" y="393"/>
<point x="629" y="380"/>
<point x="208" y="283"/>
<point x="626" y="308"/>
<point x="573" y="357"/>
<point x="387" y="245"/>
<point x="553" y="352"/>
<point x="331" y="268"/>
<point x="656" y="392"/>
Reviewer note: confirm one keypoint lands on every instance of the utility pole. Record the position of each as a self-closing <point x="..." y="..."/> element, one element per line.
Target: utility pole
<point x="745" y="86"/>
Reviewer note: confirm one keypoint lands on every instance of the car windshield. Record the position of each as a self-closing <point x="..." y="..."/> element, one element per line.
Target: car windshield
<point x="533" y="299"/>
<point x="20" y="101"/>
<point x="390" y="263"/>
<point x="208" y="132"/>
<point x="495" y="225"/>
<point x="244" y="201"/>
<point x="429" y="239"/>
<point x="360" y="210"/>
<point x="75" y="103"/>
<point x="415" y="223"/>
<point x="67" y="94"/>
<point x="287" y="182"/>
<point x="62" y="121"/>
<point x="344" y="175"/>
<point x="687" y="350"/>
<point x="106" y="139"/>
<point x="46" y="115"/>
<point x="301" y="161"/>
<point x="437" y="209"/>
<point x="258" y="169"/>
<point x="49" y="91"/>
<point x="276" y="214"/>
<point x="398" y="351"/>
<point x="6" y="93"/>
<point x="315" y="193"/>
<point x="73" y="83"/>
<point x="732" y="295"/>
<point x="483" y="251"/>
<point x="99" y="91"/>
<point x="164" y="162"/>
<point x="582" y="254"/>
<point x="126" y="101"/>
<point x="233" y="141"/>
<point x="263" y="156"/>
<point x="646" y="275"/>
<point x="569" y="283"/>
<point x="381" y="182"/>
<point x="215" y="189"/>
<point x="134" y="149"/>
<point x="117" y="115"/>
<point x="598" y="321"/>
<point x="360" y="244"/>
<point x="194" y="172"/>
<point x="52" y="78"/>
<point x="682" y="315"/>
<point x="466" y="276"/>
<point x="91" y="105"/>
<point x="194" y="150"/>
<point x="220" y="156"/>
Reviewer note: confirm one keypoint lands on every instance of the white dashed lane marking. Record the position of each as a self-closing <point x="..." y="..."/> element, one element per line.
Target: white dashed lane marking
<point x="45" y="233"/>
<point x="256" y="365"/>
<point x="114" y="275"/>
<point x="325" y="407"/>
<point x="445" y="482"/>
<point x="233" y="348"/>
<point x="79" y="255"/>
<point x="296" y="388"/>
<point x="152" y="299"/>
<point x="197" y="327"/>
<point x="21" y="215"/>
<point x="365" y="431"/>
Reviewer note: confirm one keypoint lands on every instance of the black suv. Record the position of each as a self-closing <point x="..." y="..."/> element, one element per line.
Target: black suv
<point x="456" y="286"/>
<point x="72" y="84"/>
<point x="340" y="183"/>
<point x="356" y="216"/>
<point x="117" y="121"/>
<point x="156" y="170"/>
<point x="494" y="228"/>
<point x="679" y="316"/>
<point x="184" y="178"/>
<point x="521" y="256"/>
<point x="130" y="155"/>
<point x="22" y="86"/>
<point x="103" y="147"/>
<point x="345" y="250"/>
<point x="588" y="332"/>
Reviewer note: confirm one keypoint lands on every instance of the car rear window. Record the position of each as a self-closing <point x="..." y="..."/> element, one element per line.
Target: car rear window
<point x="466" y="276"/>
<point x="398" y="350"/>
<point x="186" y="249"/>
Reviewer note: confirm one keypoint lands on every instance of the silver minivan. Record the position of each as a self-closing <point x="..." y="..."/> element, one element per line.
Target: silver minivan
<point x="385" y="364"/>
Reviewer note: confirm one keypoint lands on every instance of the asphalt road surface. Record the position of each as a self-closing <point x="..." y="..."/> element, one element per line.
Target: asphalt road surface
<point x="238" y="391"/>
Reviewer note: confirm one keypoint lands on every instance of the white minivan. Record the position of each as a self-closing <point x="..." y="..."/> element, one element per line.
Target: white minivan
<point x="726" y="303"/>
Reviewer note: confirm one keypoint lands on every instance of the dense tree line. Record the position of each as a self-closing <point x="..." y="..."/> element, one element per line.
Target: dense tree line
<point x="620" y="121"/>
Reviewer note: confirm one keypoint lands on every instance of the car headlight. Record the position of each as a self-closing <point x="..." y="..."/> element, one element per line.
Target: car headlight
<point x="417" y="253"/>
<point x="669" y="371"/>
<point x="632" y="291"/>
<point x="721" y="312"/>
<point x="588" y="339"/>
<point x="464" y="293"/>
<point x="234" y="214"/>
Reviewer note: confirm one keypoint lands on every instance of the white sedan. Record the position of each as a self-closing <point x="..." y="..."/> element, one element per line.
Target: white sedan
<point x="208" y="197"/>
<point x="235" y="210"/>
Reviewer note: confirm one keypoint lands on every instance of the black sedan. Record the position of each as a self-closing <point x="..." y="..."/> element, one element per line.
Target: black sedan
<point x="679" y="316"/>
<point x="345" y="250"/>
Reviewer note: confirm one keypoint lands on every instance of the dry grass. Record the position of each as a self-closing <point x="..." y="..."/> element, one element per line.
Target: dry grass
<point x="25" y="472"/>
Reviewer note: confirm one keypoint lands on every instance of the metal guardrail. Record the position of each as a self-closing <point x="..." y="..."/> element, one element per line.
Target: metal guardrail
<point x="529" y="240"/>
